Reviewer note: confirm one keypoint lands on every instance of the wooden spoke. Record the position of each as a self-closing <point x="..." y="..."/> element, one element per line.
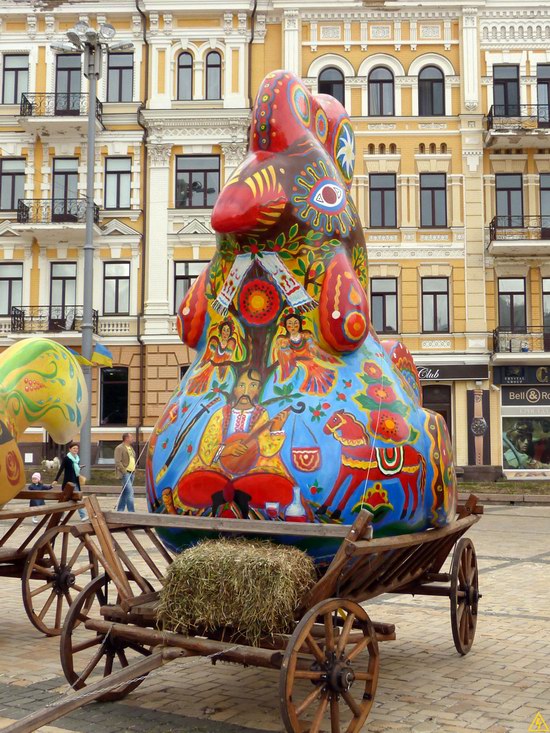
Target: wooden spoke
<point x="338" y="690"/>
<point x="51" y="565"/>
<point x="464" y="595"/>
<point x="334" y="715"/>
<point x="82" y="649"/>
<point x="344" y="636"/>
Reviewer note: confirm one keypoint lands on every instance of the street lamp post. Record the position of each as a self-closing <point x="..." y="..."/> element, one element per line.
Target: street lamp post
<point x="93" y="45"/>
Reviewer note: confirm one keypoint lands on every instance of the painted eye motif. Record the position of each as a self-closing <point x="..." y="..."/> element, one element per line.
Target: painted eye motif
<point x="328" y="196"/>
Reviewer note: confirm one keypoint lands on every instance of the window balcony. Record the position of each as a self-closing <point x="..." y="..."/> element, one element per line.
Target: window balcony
<point x="519" y="235"/>
<point x="63" y="112"/>
<point x="50" y="319"/>
<point x="518" y="126"/>
<point x="525" y="344"/>
<point x="54" y="221"/>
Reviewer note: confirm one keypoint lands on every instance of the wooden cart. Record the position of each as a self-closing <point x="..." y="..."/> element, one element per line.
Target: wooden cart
<point x="51" y="562"/>
<point x="328" y="667"/>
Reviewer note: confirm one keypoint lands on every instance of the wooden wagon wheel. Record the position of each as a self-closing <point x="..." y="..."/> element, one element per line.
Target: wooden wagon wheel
<point x="87" y="655"/>
<point x="56" y="569"/>
<point x="464" y="595"/>
<point x="319" y="676"/>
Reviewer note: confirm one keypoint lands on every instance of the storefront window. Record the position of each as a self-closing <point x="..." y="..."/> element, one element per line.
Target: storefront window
<point x="526" y="442"/>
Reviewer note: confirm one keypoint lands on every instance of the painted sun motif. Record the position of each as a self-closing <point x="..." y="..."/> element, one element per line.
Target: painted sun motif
<point x="321" y="200"/>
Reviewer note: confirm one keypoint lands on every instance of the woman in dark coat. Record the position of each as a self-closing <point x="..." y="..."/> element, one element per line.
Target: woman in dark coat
<point x="70" y="468"/>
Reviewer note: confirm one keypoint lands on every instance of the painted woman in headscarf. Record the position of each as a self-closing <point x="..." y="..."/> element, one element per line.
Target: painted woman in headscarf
<point x="222" y="351"/>
<point x="296" y="347"/>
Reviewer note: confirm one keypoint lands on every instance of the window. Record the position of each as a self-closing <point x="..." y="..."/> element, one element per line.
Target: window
<point x="65" y="189"/>
<point x="114" y="396"/>
<point x="543" y="94"/>
<point x="511" y="304"/>
<point x="383" y="299"/>
<point x="382" y="200"/>
<point x="16" y="78"/>
<point x="506" y="91"/>
<point x="545" y="205"/>
<point x="185" y="274"/>
<point x="435" y="305"/>
<point x="11" y="287"/>
<point x="117" y="183"/>
<point x="331" y="81"/>
<point x="185" y="76"/>
<point x="381" y="92"/>
<point x="12" y="182"/>
<point x="197" y="181"/>
<point x="116" y="293"/>
<point x="62" y="296"/>
<point x="433" y="200"/>
<point x="106" y="451"/>
<point x="213" y="75"/>
<point x="546" y="305"/>
<point x="509" y="193"/>
<point x="431" y="92"/>
<point x="67" y="84"/>
<point x="120" y="77"/>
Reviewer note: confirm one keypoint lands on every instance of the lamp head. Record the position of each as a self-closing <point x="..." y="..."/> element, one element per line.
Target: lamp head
<point x="121" y="46"/>
<point x="64" y="47"/>
<point x="106" y="31"/>
<point x="74" y="38"/>
<point x="81" y="27"/>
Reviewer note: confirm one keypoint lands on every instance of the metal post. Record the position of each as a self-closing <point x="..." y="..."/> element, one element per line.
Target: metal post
<point x="87" y="313"/>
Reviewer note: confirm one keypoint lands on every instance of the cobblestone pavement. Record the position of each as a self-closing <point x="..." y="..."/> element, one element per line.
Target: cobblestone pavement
<point x="424" y="685"/>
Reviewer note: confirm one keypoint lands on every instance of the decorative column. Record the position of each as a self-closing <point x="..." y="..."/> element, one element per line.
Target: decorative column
<point x="233" y="155"/>
<point x="470" y="60"/>
<point x="292" y="41"/>
<point x="157" y="311"/>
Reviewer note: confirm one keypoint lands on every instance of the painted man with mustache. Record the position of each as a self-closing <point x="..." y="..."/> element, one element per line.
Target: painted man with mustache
<point x="209" y="481"/>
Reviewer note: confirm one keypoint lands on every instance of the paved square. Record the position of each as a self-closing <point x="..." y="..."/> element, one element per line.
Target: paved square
<point x="424" y="685"/>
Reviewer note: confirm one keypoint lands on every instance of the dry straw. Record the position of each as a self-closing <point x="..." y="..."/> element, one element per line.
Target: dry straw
<point x="252" y="587"/>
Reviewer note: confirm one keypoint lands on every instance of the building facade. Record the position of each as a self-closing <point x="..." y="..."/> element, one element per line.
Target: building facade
<point x="450" y="106"/>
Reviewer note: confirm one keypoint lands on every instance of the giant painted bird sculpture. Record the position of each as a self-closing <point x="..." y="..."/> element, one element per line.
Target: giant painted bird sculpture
<point x="294" y="410"/>
<point x="41" y="385"/>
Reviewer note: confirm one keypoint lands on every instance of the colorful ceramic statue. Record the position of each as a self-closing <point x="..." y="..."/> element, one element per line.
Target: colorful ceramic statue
<point x="294" y="410"/>
<point x="41" y="385"/>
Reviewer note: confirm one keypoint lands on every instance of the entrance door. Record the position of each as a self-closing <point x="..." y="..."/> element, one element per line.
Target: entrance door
<point x="65" y="189"/>
<point x="543" y="95"/>
<point x="63" y="296"/>
<point x="67" y="84"/>
<point x="437" y="397"/>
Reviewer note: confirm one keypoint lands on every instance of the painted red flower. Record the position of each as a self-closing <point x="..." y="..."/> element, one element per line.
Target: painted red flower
<point x="372" y="370"/>
<point x="380" y="393"/>
<point x="326" y="405"/>
<point x="389" y="426"/>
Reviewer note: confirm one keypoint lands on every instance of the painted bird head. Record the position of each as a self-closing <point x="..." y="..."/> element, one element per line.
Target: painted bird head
<point x="298" y="171"/>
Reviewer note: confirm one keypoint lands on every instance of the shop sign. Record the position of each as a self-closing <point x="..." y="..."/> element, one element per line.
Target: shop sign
<point x="521" y="374"/>
<point x="526" y="396"/>
<point x="452" y="372"/>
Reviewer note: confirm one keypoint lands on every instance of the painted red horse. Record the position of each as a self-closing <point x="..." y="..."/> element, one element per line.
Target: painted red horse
<point x="362" y="463"/>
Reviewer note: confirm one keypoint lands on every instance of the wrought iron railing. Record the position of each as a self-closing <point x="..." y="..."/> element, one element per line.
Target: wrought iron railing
<point x="49" y="319"/>
<point x="509" y="228"/>
<point x="522" y="340"/>
<point x="57" y="104"/>
<point x="523" y="116"/>
<point x="50" y="211"/>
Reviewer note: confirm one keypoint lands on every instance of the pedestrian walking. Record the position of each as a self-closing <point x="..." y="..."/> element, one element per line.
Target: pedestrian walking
<point x="70" y="468"/>
<point x="37" y="485"/>
<point x="125" y="464"/>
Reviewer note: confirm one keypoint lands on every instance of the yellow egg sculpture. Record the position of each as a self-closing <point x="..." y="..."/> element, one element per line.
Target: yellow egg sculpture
<point x="41" y="385"/>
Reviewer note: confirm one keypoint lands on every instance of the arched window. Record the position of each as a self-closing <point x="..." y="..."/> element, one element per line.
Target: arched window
<point x="422" y="148"/>
<point x="371" y="149"/>
<point x="331" y="81"/>
<point x="381" y="92"/>
<point x="185" y="76"/>
<point x="431" y="92"/>
<point x="443" y="148"/>
<point x="382" y="149"/>
<point x="433" y="148"/>
<point x="393" y="148"/>
<point x="213" y="75"/>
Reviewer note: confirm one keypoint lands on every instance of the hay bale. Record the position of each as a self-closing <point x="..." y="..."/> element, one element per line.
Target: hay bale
<point x="254" y="587"/>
